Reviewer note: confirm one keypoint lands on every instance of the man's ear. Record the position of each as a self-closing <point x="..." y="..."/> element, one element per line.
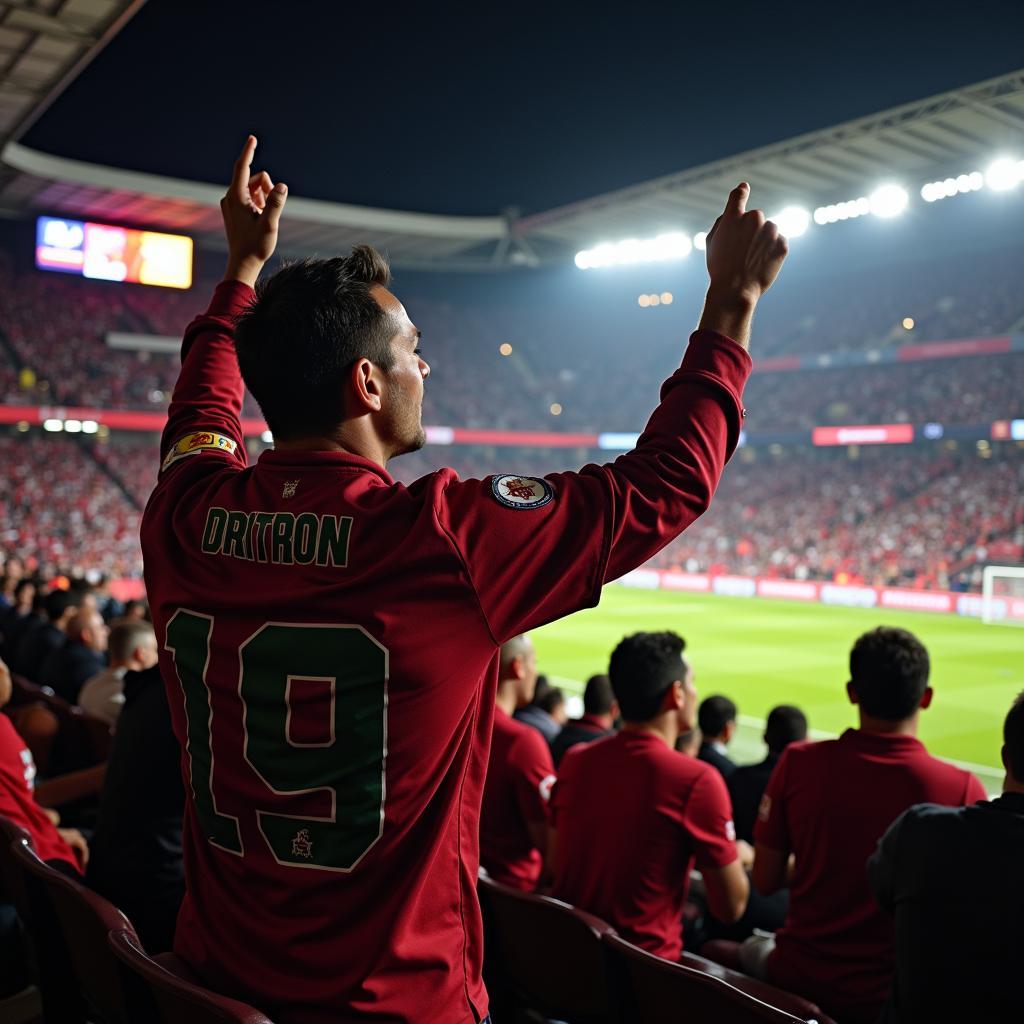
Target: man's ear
<point x="366" y="383"/>
<point x="851" y="692"/>
<point x="674" y="697"/>
<point x="926" y="697"/>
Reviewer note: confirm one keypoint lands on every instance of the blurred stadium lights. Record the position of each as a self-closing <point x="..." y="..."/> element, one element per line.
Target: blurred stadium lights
<point x="53" y="425"/>
<point x="672" y="245"/>
<point x="887" y="201"/>
<point x="90" y="426"/>
<point x="267" y="437"/>
<point x="1004" y="174"/>
<point x="505" y="348"/>
<point x="793" y="221"/>
<point x="73" y="426"/>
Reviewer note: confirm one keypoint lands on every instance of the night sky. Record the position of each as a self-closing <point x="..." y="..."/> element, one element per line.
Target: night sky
<point x="475" y="109"/>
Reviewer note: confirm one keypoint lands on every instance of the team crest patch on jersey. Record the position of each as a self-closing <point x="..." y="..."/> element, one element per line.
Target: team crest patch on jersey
<point x="521" y="491"/>
<point x="302" y="845"/>
<point x="288" y="491"/>
<point x="201" y="440"/>
<point x="546" y="785"/>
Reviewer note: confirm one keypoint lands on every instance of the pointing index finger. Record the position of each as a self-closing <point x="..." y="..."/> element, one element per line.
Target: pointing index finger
<point x="736" y="204"/>
<point x="240" y="179"/>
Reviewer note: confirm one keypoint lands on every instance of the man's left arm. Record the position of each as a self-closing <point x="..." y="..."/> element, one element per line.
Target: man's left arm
<point x="881" y="866"/>
<point x="772" y="868"/>
<point x="206" y="407"/>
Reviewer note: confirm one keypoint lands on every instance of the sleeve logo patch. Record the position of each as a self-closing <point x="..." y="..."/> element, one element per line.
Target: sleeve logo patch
<point x="202" y="440"/>
<point x="521" y="491"/>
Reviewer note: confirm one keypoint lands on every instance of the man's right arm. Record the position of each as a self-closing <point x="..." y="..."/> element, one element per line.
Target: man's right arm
<point x="584" y="529"/>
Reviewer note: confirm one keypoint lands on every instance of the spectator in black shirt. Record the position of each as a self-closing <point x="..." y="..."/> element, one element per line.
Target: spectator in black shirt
<point x="952" y="879"/>
<point x="136" y="859"/>
<point x="600" y="709"/>
<point x="83" y="654"/>
<point x="38" y="641"/>
<point x="786" y="724"/>
<point x="716" y="717"/>
<point x="536" y="714"/>
<point x="20" y="616"/>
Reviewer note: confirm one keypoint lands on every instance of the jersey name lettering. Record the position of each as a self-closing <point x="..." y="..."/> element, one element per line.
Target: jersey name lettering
<point x="282" y="538"/>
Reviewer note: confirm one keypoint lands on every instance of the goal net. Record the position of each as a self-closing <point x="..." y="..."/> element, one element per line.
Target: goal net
<point x="1002" y="595"/>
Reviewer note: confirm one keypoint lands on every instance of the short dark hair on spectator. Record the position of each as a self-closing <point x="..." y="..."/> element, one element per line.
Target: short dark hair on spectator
<point x="550" y="699"/>
<point x="541" y="689"/>
<point x="1013" y="738"/>
<point x="714" y="714"/>
<point x="306" y="327"/>
<point x="786" y="724"/>
<point x="598" y="696"/>
<point x="59" y="601"/>
<point x="642" y="668"/>
<point x="126" y="637"/>
<point x="889" y="670"/>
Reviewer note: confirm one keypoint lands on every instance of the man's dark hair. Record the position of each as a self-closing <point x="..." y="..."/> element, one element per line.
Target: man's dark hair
<point x="714" y="714"/>
<point x="551" y="699"/>
<point x="642" y="668"/>
<point x="1013" y="738"/>
<point x="59" y="601"/>
<point x="25" y="581"/>
<point x="598" y="696"/>
<point x="541" y="689"/>
<point x="889" y="670"/>
<point x="786" y="724"/>
<point x="306" y="327"/>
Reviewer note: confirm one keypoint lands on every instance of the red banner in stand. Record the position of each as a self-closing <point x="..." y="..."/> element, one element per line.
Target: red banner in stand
<point x="869" y="433"/>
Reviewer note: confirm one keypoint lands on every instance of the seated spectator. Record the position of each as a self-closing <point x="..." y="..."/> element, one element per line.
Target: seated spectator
<point x="132" y="648"/>
<point x="136" y="857"/>
<point x="717" y="720"/>
<point x="65" y="849"/>
<point x="19" y="616"/>
<point x="600" y="710"/>
<point x="827" y="804"/>
<point x="631" y="816"/>
<point x="955" y="874"/>
<point x="82" y="655"/>
<point x="553" y="702"/>
<point x="514" y="812"/>
<point x="786" y="724"/>
<point x="13" y="573"/>
<point x="535" y="715"/>
<point x="48" y="635"/>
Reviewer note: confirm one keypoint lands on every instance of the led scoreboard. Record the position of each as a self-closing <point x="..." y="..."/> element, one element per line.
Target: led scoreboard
<point x="106" y="252"/>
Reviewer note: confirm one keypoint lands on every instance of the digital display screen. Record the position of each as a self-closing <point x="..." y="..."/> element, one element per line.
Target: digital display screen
<point x="105" y="252"/>
<point x="888" y="433"/>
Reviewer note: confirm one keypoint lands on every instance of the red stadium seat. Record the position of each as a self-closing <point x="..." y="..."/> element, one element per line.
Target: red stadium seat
<point x="84" y="919"/>
<point x="650" y="990"/>
<point x="547" y="954"/>
<point x="176" y="1000"/>
<point x="53" y="971"/>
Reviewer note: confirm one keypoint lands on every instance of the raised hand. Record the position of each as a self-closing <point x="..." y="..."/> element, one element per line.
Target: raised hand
<point x="744" y="251"/>
<point x="251" y="209"/>
<point x="744" y="255"/>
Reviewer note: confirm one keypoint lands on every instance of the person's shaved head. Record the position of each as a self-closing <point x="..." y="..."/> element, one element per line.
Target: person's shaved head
<point x="89" y="629"/>
<point x="518" y="668"/>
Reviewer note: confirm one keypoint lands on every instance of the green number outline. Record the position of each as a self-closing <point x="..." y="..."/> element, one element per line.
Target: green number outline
<point x="260" y="815"/>
<point x="208" y="783"/>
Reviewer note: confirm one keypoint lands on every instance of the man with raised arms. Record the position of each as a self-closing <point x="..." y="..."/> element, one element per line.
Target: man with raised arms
<point x="336" y="711"/>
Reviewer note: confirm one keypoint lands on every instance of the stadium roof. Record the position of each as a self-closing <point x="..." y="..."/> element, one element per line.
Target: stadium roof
<point x="951" y="133"/>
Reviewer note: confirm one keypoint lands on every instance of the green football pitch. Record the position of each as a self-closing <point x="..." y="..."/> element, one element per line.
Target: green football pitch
<point x="763" y="652"/>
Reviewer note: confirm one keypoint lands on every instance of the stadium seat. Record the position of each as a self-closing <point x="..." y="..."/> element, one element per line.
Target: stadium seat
<point x="547" y="954"/>
<point x="53" y="972"/>
<point x="650" y="990"/>
<point x="175" y="1000"/>
<point x="65" y="915"/>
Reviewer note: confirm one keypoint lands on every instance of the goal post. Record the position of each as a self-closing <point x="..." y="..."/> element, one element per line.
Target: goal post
<point x="1002" y="595"/>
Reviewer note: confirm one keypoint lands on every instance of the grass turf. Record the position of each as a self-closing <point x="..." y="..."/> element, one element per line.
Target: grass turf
<point x="763" y="652"/>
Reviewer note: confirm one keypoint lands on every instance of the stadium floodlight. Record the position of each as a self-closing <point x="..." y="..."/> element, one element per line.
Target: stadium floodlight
<point x="948" y="187"/>
<point x="888" y="201"/>
<point x="1004" y="174"/>
<point x="73" y="426"/>
<point x="53" y="425"/>
<point x="670" y="245"/>
<point x="267" y="437"/>
<point x="842" y="211"/>
<point x="700" y="241"/>
<point x="90" y="426"/>
<point x="793" y="221"/>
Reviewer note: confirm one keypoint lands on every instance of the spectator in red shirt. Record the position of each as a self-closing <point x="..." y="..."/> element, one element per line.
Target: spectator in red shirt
<point x="826" y="806"/>
<point x="632" y="816"/>
<point x="600" y="709"/>
<point x="520" y="774"/>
